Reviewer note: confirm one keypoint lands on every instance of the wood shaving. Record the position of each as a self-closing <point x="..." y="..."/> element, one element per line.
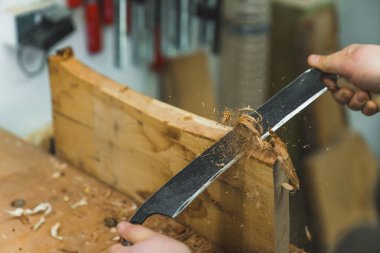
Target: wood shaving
<point x="308" y="234"/>
<point x="227" y="117"/>
<point x="288" y="187"/>
<point x="57" y="174"/>
<point x="108" y="193"/>
<point x="81" y="202"/>
<point x="284" y="159"/>
<point x="54" y="231"/>
<point x="39" y="223"/>
<point x="245" y="109"/>
<point x="250" y="130"/>
<point x="116" y="238"/>
<point x="87" y="189"/>
<point x="44" y="208"/>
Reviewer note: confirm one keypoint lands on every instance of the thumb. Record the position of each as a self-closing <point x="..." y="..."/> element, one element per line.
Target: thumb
<point x="134" y="233"/>
<point x="335" y="63"/>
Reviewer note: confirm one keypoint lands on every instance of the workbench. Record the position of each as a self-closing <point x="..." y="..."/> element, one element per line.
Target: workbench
<point x="31" y="174"/>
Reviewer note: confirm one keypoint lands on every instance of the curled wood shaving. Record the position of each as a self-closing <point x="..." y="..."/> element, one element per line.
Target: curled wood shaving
<point x="284" y="159"/>
<point x="227" y="117"/>
<point x="288" y="187"/>
<point x="54" y="232"/>
<point x="81" y="202"/>
<point x="250" y="129"/>
<point x="44" y="208"/>
<point x="39" y="223"/>
<point x="308" y="234"/>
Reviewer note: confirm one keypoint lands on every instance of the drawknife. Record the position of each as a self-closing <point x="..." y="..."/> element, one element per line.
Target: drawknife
<point x="172" y="198"/>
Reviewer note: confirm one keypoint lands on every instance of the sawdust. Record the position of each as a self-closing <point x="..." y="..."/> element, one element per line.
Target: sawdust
<point x="227" y="118"/>
<point x="169" y="227"/>
<point x="250" y="130"/>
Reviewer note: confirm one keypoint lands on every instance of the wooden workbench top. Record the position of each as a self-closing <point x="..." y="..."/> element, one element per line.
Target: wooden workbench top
<point x="29" y="173"/>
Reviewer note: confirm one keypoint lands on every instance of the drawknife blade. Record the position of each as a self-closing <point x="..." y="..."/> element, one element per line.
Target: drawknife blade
<point x="185" y="186"/>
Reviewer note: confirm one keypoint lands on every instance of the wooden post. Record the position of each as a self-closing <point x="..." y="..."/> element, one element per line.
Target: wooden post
<point x="135" y="144"/>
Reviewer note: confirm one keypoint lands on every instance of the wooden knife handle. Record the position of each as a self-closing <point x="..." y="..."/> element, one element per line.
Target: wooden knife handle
<point x="376" y="97"/>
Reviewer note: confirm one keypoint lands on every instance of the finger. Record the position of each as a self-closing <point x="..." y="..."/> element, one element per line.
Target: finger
<point x="117" y="248"/>
<point x="330" y="84"/>
<point x="343" y="95"/>
<point x="370" y="108"/>
<point x="359" y="99"/>
<point x="134" y="233"/>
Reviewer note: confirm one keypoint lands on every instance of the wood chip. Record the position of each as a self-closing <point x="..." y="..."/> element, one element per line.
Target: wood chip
<point x="44" y="208"/>
<point x="288" y="187"/>
<point x="308" y="234"/>
<point x="81" y="202"/>
<point x="54" y="232"/>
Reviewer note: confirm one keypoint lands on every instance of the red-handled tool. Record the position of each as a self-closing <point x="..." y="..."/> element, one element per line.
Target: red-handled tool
<point x="72" y="4"/>
<point x="93" y="26"/>
<point x="108" y="12"/>
<point x="158" y="59"/>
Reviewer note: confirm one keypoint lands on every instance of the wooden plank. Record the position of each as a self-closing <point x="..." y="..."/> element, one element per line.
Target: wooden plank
<point x="135" y="144"/>
<point x="342" y="179"/>
<point x="27" y="173"/>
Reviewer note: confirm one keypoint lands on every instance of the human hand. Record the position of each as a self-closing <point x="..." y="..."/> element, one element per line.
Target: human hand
<point x="146" y="241"/>
<point x="358" y="64"/>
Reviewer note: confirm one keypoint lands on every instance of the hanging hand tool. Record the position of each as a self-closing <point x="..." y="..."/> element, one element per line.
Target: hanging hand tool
<point x="158" y="59"/>
<point x="138" y="33"/>
<point x="93" y="28"/>
<point x="120" y="36"/>
<point x="184" y="187"/>
<point x="108" y="11"/>
<point x="72" y="4"/>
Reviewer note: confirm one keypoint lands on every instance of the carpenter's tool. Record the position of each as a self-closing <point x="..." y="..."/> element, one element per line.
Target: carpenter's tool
<point x="93" y="28"/>
<point x="108" y="11"/>
<point x="120" y="30"/>
<point x="72" y="4"/>
<point x="184" y="187"/>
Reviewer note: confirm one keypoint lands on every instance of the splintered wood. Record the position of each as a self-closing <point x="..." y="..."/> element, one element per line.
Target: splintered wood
<point x="30" y="194"/>
<point x="251" y="130"/>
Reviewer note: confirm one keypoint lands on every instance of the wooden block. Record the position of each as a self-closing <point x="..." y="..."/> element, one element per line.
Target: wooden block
<point x="186" y="83"/>
<point x="342" y="179"/>
<point x="31" y="174"/>
<point x="135" y="144"/>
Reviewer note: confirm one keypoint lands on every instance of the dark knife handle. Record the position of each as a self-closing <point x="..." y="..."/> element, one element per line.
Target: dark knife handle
<point x="332" y="77"/>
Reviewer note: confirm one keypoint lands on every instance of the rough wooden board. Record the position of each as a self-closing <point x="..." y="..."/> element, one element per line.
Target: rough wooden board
<point x="135" y="144"/>
<point x="26" y="172"/>
<point x="186" y="83"/>
<point x="342" y="180"/>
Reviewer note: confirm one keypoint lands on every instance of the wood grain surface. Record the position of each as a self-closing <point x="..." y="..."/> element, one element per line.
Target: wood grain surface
<point x="29" y="173"/>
